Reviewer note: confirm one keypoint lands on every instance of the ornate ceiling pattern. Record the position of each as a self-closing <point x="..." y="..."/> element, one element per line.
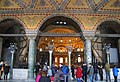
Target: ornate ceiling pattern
<point x="38" y="5"/>
<point x="88" y="14"/>
<point x="60" y="43"/>
<point x="84" y="11"/>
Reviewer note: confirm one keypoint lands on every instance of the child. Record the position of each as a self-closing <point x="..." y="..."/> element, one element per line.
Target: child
<point x="52" y="78"/>
<point x="38" y="76"/>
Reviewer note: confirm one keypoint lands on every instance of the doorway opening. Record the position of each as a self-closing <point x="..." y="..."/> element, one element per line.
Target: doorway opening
<point x="62" y="26"/>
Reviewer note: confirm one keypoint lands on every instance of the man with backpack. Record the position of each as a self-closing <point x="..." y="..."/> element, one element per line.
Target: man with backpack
<point x="65" y="71"/>
<point x="107" y="70"/>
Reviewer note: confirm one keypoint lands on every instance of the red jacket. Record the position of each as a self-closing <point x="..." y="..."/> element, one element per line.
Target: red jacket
<point x="78" y="72"/>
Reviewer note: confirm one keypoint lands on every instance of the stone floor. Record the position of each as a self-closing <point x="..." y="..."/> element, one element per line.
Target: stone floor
<point x="34" y="81"/>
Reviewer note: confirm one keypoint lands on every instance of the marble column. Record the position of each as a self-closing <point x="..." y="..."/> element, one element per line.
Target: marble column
<point x="69" y="48"/>
<point x="69" y="60"/>
<point x="50" y="48"/>
<point x="50" y="58"/>
<point x="31" y="58"/>
<point x="1" y="41"/>
<point x="87" y="52"/>
<point x="12" y="49"/>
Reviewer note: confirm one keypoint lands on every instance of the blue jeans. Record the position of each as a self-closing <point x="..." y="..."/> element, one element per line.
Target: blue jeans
<point x="91" y="78"/>
<point x="78" y="80"/>
<point x="108" y="76"/>
<point x="65" y="78"/>
<point x="95" y="76"/>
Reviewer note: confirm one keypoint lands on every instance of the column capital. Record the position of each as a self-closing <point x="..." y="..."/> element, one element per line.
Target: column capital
<point x="69" y="48"/>
<point x="89" y="34"/>
<point x="31" y="34"/>
<point x="50" y="51"/>
<point x="31" y="37"/>
<point x="50" y="46"/>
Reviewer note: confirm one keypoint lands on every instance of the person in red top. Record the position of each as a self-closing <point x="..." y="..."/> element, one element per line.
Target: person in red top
<point x="78" y="74"/>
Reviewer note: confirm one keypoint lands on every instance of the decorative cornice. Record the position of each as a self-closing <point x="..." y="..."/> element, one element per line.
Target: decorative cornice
<point x="46" y="11"/>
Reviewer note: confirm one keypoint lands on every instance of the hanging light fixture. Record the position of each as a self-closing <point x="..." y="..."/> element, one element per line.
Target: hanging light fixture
<point x="52" y="40"/>
<point x="81" y="49"/>
<point x="78" y="49"/>
<point x="40" y="49"/>
<point x="61" y="40"/>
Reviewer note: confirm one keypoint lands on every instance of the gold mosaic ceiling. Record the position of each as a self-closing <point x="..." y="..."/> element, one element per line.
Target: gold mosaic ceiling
<point x="60" y="43"/>
<point x="67" y="4"/>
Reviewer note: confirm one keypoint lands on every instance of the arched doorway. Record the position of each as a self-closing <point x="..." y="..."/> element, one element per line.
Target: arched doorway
<point x="7" y="28"/>
<point x="107" y="35"/>
<point x="60" y="28"/>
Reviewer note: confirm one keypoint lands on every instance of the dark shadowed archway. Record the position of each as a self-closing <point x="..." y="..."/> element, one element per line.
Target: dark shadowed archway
<point x="110" y="28"/>
<point x="11" y="26"/>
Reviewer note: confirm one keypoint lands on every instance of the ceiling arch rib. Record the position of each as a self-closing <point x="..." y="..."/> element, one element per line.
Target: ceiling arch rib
<point x="60" y="25"/>
<point x="53" y="20"/>
<point x="110" y="27"/>
<point x="11" y="26"/>
<point x="61" y="42"/>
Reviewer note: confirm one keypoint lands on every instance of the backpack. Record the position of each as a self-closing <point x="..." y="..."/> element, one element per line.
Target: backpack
<point x="107" y="67"/>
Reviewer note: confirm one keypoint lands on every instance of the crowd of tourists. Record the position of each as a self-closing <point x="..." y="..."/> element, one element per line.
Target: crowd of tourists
<point x="63" y="73"/>
<point x="53" y="74"/>
<point x="79" y="73"/>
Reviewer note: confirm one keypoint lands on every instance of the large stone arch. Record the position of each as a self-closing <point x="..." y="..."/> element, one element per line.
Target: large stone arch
<point x="12" y="25"/>
<point x="66" y="16"/>
<point x="108" y="25"/>
<point x="79" y="25"/>
<point x="104" y="20"/>
<point x="16" y="19"/>
<point x="76" y="27"/>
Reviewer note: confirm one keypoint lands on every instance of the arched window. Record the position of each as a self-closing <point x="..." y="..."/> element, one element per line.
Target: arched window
<point x="66" y="59"/>
<point x="56" y="59"/>
<point x="61" y="60"/>
<point x="79" y="59"/>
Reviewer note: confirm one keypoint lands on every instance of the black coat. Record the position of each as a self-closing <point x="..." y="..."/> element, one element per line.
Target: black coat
<point x="95" y="66"/>
<point x="100" y="71"/>
<point x="84" y="69"/>
<point x="6" y="69"/>
<point x="44" y="79"/>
